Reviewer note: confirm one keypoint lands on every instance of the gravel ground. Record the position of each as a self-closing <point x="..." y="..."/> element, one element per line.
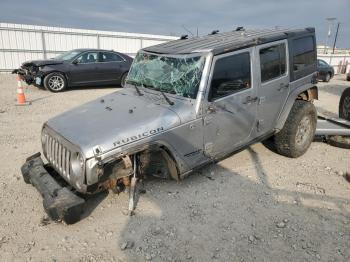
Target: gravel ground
<point x="253" y="206"/>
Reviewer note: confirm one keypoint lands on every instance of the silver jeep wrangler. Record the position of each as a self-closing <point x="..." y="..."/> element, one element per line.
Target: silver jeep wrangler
<point x="186" y="103"/>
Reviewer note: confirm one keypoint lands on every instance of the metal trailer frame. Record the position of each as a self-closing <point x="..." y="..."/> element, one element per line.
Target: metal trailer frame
<point x="332" y="126"/>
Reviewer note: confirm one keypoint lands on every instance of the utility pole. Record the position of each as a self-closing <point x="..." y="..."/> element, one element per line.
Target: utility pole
<point x="336" y="36"/>
<point x="330" y="24"/>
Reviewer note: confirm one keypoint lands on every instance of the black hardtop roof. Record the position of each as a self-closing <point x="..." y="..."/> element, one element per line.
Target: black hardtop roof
<point x="225" y="42"/>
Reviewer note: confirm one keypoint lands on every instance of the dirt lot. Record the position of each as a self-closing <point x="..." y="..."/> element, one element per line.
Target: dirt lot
<point x="253" y="206"/>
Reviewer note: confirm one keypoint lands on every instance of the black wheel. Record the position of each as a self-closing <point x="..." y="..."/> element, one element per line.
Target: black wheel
<point x="123" y="79"/>
<point x="327" y="77"/>
<point x="339" y="141"/>
<point x="299" y="130"/>
<point x="344" y="104"/>
<point x="55" y="82"/>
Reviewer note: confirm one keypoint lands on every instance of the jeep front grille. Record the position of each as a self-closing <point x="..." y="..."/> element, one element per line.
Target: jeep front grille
<point x="58" y="155"/>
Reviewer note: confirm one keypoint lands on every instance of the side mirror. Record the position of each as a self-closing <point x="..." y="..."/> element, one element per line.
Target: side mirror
<point x="75" y="62"/>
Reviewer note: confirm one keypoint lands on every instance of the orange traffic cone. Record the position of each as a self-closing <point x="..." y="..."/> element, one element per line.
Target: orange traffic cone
<point x="21" y="99"/>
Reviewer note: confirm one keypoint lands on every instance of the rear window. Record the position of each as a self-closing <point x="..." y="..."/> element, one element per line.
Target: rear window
<point x="110" y="57"/>
<point x="303" y="53"/>
<point x="272" y="62"/>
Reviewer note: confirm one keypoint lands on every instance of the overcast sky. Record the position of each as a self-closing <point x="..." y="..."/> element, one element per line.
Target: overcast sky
<point x="168" y="17"/>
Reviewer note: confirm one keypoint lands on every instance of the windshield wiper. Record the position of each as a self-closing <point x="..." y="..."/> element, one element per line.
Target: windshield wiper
<point x="166" y="98"/>
<point x="137" y="89"/>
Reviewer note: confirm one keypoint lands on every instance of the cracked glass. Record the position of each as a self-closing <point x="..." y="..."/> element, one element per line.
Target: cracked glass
<point x="179" y="75"/>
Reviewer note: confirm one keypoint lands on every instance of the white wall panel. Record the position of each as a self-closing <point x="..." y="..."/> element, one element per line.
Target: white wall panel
<point x="61" y="42"/>
<point x="11" y="60"/>
<point x="123" y="45"/>
<point x="146" y="43"/>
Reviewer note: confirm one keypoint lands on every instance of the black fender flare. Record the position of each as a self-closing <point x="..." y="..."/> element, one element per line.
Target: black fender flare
<point x="294" y="95"/>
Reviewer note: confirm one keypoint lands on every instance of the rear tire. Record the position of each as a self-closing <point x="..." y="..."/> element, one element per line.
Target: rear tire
<point x="55" y="82"/>
<point x="344" y="104"/>
<point x="299" y="130"/>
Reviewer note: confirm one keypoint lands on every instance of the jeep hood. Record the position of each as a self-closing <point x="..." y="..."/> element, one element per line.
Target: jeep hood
<point x="117" y="119"/>
<point x="42" y="62"/>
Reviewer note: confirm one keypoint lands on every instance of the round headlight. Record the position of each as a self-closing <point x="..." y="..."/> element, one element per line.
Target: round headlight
<point x="77" y="164"/>
<point x="81" y="162"/>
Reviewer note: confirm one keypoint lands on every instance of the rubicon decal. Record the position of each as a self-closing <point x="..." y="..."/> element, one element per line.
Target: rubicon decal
<point x="138" y="137"/>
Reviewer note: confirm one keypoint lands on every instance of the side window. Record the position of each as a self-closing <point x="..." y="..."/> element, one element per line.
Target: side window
<point x="272" y="62"/>
<point x="231" y="74"/>
<point x="322" y="63"/>
<point x="303" y="53"/>
<point x="110" y="57"/>
<point x="88" y="57"/>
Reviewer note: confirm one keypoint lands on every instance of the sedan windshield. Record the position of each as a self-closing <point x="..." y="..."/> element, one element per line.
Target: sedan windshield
<point x="175" y="75"/>
<point x="67" y="55"/>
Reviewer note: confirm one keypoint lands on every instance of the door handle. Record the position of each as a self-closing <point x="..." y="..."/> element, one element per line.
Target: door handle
<point x="250" y="100"/>
<point x="283" y="86"/>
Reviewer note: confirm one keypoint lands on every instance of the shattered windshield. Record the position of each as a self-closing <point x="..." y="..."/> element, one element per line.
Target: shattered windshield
<point x="174" y="75"/>
<point x="67" y="55"/>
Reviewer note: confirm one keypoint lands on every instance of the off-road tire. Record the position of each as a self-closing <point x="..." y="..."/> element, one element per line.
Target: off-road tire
<point x="339" y="141"/>
<point x="344" y="104"/>
<point x="123" y="79"/>
<point x="55" y="82"/>
<point x="302" y="119"/>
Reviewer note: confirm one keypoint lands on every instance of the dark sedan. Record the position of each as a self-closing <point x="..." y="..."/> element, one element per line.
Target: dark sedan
<point x="325" y="71"/>
<point x="78" y="67"/>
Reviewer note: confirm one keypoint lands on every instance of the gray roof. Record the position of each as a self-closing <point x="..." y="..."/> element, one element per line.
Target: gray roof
<point x="225" y="42"/>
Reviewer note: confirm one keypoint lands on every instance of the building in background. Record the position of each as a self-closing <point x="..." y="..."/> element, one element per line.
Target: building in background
<point x="19" y="42"/>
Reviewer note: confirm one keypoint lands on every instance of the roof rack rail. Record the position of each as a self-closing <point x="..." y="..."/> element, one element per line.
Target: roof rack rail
<point x="214" y="32"/>
<point x="184" y="37"/>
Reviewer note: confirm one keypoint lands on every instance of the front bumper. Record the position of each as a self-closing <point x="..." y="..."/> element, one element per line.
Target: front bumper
<point x="59" y="202"/>
<point x="29" y="77"/>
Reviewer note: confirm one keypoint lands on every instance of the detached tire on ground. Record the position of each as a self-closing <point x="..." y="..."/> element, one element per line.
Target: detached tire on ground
<point x="55" y="82"/>
<point x="339" y="141"/>
<point x="299" y="130"/>
<point x="344" y="104"/>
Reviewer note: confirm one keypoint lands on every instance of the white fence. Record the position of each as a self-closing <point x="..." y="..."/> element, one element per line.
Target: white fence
<point x="340" y="62"/>
<point x="19" y="43"/>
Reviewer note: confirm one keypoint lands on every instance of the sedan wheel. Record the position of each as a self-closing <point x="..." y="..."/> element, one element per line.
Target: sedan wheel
<point x="123" y="79"/>
<point x="327" y="78"/>
<point x="55" y="82"/>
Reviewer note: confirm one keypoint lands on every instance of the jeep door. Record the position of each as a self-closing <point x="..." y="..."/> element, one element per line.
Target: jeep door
<point x="231" y="108"/>
<point x="274" y="83"/>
